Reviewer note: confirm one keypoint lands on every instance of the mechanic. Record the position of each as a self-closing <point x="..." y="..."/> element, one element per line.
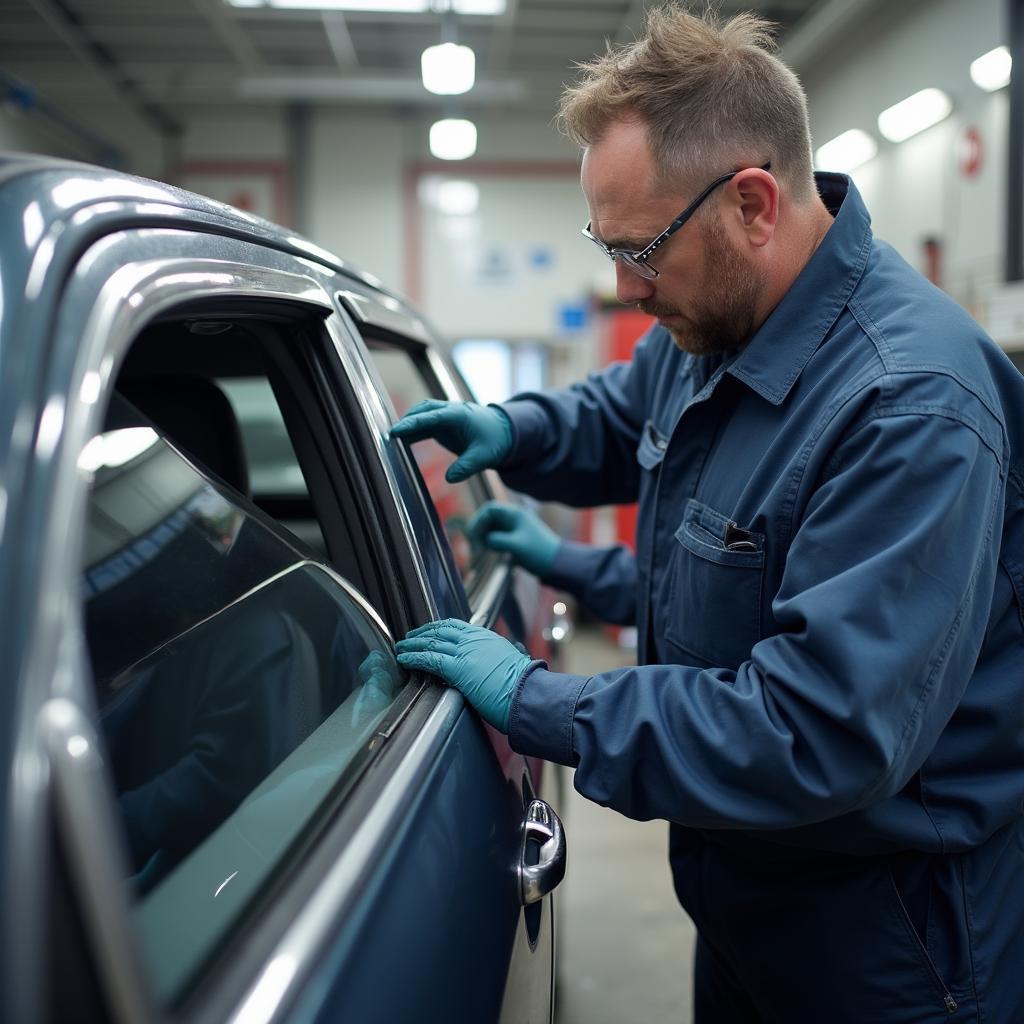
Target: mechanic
<point x="828" y="584"/>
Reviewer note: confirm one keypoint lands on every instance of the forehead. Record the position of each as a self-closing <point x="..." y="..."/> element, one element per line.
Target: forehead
<point x="619" y="167"/>
<point x="627" y="205"/>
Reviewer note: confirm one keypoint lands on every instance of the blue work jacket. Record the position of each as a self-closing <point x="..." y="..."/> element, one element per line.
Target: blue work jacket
<point x="829" y="578"/>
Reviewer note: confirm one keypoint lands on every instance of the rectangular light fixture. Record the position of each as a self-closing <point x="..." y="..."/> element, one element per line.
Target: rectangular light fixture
<point x="448" y="69"/>
<point x="991" y="71"/>
<point x="914" y="114"/>
<point x="377" y="6"/>
<point x="452" y="139"/>
<point x="382" y="6"/>
<point x="846" y="151"/>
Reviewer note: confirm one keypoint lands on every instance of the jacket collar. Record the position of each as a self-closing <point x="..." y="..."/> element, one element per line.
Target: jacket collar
<point x="776" y="355"/>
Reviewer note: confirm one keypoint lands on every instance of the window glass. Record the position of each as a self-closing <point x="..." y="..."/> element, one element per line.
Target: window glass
<point x="275" y="476"/>
<point x="236" y="680"/>
<point x="273" y="465"/>
<point x="407" y="384"/>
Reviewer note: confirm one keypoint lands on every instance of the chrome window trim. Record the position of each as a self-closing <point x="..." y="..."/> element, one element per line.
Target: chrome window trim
<point x="97" y="872"/>
<point x="444" y="377"/>
<point x="379" y="420"/>
<point x="385" y="312"/>
<point x="490" y="592"/>
<point x="130" y="297"/>
<point x="357" y="598"/>
<point x="493" y="487"/>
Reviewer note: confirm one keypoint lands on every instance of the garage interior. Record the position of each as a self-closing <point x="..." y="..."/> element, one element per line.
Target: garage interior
<point x="314" y="115"/>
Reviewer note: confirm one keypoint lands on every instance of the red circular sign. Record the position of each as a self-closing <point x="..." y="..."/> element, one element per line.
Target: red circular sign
<point x="970" y="152"/>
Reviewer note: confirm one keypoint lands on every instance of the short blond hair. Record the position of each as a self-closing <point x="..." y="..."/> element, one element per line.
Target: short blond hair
<point x="711" y="94"/>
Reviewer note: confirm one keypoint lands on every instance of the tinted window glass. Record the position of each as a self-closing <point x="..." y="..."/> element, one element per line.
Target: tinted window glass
<point x="406" y="385"/>
<point x="235" y="679"/>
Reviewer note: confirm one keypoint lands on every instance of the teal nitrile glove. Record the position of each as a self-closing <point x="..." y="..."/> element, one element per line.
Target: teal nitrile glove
<point x="480" y="435"/>
<point x="381" y="679"/>
<point x="523" y="535"/>
<point x="483" y="666"/>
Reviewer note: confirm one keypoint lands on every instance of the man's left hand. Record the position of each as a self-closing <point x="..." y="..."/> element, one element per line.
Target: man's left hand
<point x="483" y="666"/>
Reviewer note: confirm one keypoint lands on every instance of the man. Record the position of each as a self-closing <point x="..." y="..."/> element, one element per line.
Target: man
<point x="829" y="578"/>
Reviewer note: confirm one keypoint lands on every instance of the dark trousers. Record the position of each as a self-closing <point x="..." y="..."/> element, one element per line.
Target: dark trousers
<point x="906" y="939"/>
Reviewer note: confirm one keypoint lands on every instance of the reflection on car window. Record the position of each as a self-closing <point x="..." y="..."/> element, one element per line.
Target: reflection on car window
<point x="455" y="503"/>
<point x="235" y="682"/>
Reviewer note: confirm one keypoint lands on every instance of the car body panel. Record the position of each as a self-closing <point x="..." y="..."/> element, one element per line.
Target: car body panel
<point x="425" y="872"/>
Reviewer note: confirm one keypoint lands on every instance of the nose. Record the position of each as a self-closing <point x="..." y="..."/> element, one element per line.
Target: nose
<point x="630" y="287"/>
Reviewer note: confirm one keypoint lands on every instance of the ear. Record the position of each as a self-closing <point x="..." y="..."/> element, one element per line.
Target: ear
<point x="755" y="197"/>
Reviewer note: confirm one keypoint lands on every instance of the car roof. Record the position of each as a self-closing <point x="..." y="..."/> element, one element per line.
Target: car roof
<point x="38" y="191"/>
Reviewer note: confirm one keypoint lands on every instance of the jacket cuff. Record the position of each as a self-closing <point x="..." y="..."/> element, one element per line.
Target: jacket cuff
<point x="541" y="719"/>
<point x="573" y="566"/>
<point x="528" y="423"/>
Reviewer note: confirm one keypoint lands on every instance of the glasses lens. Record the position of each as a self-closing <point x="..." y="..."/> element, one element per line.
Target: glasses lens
<point x="642" y="269"/>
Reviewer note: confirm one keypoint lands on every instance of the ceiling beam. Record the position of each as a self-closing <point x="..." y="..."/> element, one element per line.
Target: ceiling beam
<point x="340" y="40"/>
<point x="98" y="60"/>
<point x="371" y="88"/>
<point x="230" y="33"/>
<point x="818" y="32"/>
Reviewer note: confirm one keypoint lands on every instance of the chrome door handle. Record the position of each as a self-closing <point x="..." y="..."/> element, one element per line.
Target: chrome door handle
<point x="540" y="826"/>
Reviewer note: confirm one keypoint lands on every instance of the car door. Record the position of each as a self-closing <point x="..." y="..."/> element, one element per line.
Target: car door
<point x="410" y="371"/>
<point x="355" y="860"/>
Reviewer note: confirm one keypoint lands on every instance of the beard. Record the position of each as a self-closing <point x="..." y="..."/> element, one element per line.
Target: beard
<point x="723" y="318"/>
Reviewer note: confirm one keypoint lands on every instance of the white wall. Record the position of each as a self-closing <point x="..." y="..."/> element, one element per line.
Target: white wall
<point x="356" y="188"/>
<point x="360" y="165"/>
<point x="915" y="189"/>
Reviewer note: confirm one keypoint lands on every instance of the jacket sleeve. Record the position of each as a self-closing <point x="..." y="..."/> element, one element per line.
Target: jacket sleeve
<point x="880" y="616"/>
<point x="602" y="578"/>
<point x="578" y="445"/>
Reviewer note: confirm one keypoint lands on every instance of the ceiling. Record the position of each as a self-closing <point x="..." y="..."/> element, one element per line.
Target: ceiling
<point x="167" y="57"/>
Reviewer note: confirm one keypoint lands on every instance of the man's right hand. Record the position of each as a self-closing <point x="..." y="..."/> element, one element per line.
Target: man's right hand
<point x="481" y="435"/>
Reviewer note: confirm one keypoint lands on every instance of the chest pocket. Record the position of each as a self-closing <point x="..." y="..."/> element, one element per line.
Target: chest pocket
<point x="716" y="573"/>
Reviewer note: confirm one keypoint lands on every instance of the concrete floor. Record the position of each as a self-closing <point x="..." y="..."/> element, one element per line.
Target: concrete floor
<point x="626" y="948"/>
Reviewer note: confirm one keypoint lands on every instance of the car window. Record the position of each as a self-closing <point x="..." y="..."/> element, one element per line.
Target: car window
<point x="237" y="680"/>
<point x="275" y="476"/>
<point x="407" y="382"/>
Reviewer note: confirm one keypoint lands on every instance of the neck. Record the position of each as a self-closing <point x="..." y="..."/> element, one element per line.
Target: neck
<point x="808" y="230"/>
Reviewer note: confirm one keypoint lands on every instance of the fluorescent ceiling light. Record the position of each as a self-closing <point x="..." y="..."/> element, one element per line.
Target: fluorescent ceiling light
<point x="448" y="69"/>
<point x="451" y="196"/>
<point x="452" y="139"/>
<point x="991" y="70"/>
<point x="458" y="198"/>
<point x="479" y="6"/>
<point x="378" y="6"/>
<point x="846" y="151"/>
<point x="914" y="114"/>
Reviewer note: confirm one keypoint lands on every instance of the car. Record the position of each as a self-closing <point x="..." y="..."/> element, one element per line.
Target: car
<point x="222" y="798"/>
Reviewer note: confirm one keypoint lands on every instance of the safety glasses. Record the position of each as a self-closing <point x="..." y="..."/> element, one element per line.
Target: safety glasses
<point x="637" y="261"/>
